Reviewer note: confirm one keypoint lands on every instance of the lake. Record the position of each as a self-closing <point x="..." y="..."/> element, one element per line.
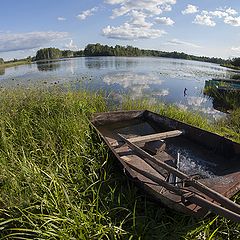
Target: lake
<point x="158" y="79"/>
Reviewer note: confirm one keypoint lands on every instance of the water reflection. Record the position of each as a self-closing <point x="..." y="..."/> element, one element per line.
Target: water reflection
<point x="129" y="79"/>
<point x="152" y="78"/>
<point x="136" y="84"/>
<point x="47" y="66"/>
<point x="2" y="71"/>
<point x="196" y="101"/>
<point x="110" y="63"/>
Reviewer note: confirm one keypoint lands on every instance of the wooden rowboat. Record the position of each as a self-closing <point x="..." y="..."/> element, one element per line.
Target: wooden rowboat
<point x="188" y="169"/>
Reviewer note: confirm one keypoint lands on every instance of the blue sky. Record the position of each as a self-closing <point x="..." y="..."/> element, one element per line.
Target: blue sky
<point x="200" y="27"/>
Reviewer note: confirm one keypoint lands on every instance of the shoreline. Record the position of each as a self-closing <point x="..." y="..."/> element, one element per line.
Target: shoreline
<point x="13" y="64"/>
<point x="232" y="67"/>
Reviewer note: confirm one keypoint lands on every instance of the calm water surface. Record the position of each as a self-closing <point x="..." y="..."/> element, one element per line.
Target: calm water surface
<point x="161" y="79"/>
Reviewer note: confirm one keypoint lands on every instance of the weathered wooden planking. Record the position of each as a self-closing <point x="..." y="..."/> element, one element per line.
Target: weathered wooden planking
<point x="144" y="171"/>
<point x="209" y="140"/>
<point x="197" y="185"/>
<point x="112" y="117"/>
<point x="156" y="136"/>
<point x="125" y="151"/>
<point x="159" y="192"/>
<point x="155" y="147"/>
<point x="228" y="181"/>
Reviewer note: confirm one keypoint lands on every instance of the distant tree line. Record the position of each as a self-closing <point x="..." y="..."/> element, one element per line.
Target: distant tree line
<point x="235" y="62"/>
<point x="129" y="51"/>
<point x="27" y="59"/>
<point x="55" y="53"/>
<point x="105" y="50"/>
<point x="232" y="63"/>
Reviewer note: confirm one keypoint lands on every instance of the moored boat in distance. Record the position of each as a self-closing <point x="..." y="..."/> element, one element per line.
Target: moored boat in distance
<point x="186" y="168"/>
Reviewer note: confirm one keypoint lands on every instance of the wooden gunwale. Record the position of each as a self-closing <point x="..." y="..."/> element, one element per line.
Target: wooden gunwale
<point x="197" y="185"/>
<point x="191" y="197"/>
<point x="192" y="133"/>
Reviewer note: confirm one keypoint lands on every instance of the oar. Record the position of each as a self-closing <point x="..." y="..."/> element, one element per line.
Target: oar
<point x="197" y="185"/>
<point x="193" y="198"/>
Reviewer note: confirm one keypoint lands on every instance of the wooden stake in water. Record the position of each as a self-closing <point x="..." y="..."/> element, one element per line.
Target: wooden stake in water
<point x="177" y="166"/>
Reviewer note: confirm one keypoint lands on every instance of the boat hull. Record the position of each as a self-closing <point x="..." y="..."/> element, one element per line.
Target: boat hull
<point x="217" y="154"/>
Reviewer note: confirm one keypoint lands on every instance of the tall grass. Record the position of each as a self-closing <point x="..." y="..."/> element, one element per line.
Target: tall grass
<point x="228" y="100"/>
<point x="58" y="180"/>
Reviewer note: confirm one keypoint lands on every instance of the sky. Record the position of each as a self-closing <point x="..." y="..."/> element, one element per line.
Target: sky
<point x="199" y="27"/>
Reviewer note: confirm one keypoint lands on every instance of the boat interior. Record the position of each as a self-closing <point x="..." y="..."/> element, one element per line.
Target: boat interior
<point x="211" y="159"/>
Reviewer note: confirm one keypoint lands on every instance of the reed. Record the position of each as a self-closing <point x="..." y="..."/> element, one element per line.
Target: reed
<point x="58" y="180"/>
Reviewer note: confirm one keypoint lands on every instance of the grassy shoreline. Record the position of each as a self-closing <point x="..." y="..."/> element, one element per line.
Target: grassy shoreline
<point x="13" y="64"/>
<point x="58" y="180"/>
<point x="230" y="66"/>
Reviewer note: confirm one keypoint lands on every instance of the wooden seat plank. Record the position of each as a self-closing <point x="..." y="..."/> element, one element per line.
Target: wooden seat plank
<point x="156" y="136"/>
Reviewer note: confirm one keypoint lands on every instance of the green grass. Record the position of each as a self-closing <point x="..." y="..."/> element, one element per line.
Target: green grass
<point x="228" y="100"/>
<point x="59" y="181"/>
<point x="229" y="65"/>
<point x="13" y="64"/>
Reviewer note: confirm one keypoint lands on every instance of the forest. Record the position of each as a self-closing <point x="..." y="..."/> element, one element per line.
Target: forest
<point x="129" y="51"/>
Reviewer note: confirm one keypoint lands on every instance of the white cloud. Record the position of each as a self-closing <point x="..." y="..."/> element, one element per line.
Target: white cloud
<point x="151" y="6"/>
<point x="72" y="46"/>
<point x="190" y="9"/>
<point x="179" y="42"/>
<point x="140" y="14"/>
<point x="167" y="8"/>
<point x="130" y="32"/>
<point x="61" y="19"/>
<point x="204" y="20"/>
<point x="164" y="20"/>
<point x="207" y="18"/>
<point x="233" y="21"/>
<point x="83" y="15"/>
<point x="217" y="13"/>
<point x="22" y="41"/>
<point x="113" y="2"/>
<point x="231" y="11"/>
<point x="139" y="19"/>
<point x="237" y="49"/>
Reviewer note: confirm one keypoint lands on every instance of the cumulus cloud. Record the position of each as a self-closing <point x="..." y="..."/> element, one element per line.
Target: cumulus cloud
<point x="151" y="6"/>
<point x="140" y="16"/>
<point x="164" y="20"/>
<point x="208" y="18"/>
<point x="72" y="46"/>
<point x="179" y="42"/>
<point x="61" y="19"/>
<point x="217" y="13"/>
<point x="129" y="32"/>
<point x="231" y="11"/>
<point x="233" y="21"/>
<point x="23" y="41"/>
<point x="190" y="9"/>
<point x="113" y="2"/>
<point x="83" y="15"/>
<point x="139" y="19"/>
<point x="204" y="20"/>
